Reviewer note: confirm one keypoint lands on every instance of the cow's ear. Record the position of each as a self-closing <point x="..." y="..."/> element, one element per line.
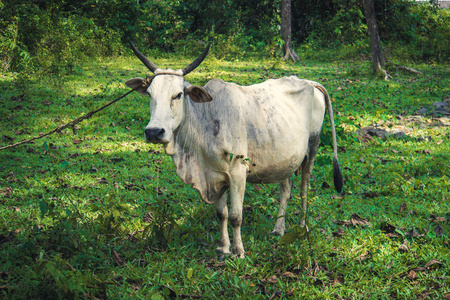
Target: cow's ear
<point x="138" y="83"/>
<point x="198" y="94"/>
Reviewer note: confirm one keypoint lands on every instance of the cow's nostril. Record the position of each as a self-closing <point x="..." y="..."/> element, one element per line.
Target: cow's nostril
<point x="154" y="134"/>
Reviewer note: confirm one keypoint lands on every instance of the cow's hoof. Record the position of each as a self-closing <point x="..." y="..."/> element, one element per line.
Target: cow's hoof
<point x="221" y="251"/>
<point x="278" y="232"/>
<point x="242" y="255"/>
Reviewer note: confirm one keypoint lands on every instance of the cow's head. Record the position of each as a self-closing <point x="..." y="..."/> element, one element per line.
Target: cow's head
<point x="168" y="93"/>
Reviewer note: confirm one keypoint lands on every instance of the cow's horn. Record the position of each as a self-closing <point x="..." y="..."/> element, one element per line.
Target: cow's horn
<point x="151" y="66"/>
<point x="196" y="62"/>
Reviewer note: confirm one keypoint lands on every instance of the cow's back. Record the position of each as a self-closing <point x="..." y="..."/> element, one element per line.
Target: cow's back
<point x="269" y="124"/>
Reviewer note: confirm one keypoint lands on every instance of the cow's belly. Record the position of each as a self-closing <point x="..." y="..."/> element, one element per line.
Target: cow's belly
<point x="275" y="164"/>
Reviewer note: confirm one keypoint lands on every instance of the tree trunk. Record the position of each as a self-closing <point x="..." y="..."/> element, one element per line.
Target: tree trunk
<point x="374" y="37"/>
<point x="286" y="34"/>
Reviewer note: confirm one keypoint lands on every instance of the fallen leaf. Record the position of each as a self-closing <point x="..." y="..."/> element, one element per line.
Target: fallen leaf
<point x="423" y="295"/>
<point x="117" y="159"/>
<point x="339" y="233"/>
<point x="75" y="142"/>
<point x="387" y="228"/>
<point x="404" y="247"/>
<point x="102" y="180"/>
<point x="413" y="233"/>
<point x="432" y="263"/>
<point x="7" y="191"/>
<point x="357" y="220"/>
<point x="403" y="207"/>
<point x="325" y="185"/>
<point x="272" y="279"/>
<point x="7" y="138"/>
<point x="427" y="151"/>
<point x="447" y="296"/>
<point x="438" y="219"/>
<point x="276" y="294"/>
<point x="439" y="231"/>
<point x="412" y="275"/>
<point x="288" y="275"/>
<point x="246" y="276"/>
<point x="364" y="256"/>
<point x="370" y="194"/>
<point x="344" y="223"/>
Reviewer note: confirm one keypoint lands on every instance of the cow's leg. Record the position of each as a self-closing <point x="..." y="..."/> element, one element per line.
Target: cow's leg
<point x="285" y="195"/>
<point x="307" y="166"/>
<point x="237" y="191"/>
<point x="222" y="214"/>
<point x="306" y="173"/>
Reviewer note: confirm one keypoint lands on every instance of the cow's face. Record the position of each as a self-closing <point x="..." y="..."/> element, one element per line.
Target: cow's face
<point x="168" y="95"/>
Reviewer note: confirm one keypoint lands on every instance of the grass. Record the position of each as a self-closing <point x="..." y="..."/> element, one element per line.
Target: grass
<point x="94" y="212"/>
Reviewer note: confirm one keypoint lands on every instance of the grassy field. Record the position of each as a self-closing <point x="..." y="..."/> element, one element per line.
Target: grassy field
<point x="94" y="212"/>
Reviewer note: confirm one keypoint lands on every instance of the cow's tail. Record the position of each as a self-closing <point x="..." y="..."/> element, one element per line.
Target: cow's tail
<point x="337" y="175"/>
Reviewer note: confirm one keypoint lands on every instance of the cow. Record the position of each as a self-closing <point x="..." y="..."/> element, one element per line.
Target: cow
<point x="223" y="135"/>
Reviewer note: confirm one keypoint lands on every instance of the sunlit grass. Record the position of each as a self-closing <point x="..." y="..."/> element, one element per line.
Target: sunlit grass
<point x="72" y="202"/>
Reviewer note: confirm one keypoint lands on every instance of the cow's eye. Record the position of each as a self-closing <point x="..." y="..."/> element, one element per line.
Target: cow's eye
<point x="177" y="96"/>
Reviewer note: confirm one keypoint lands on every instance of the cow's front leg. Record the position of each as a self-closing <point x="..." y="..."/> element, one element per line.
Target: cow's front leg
<point x="222" y="214"/>
<point x="285" y="195"/>
<point x="237" y="191"/>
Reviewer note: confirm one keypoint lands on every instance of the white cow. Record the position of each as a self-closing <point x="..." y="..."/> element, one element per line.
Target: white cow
<point x="223" y="135"/>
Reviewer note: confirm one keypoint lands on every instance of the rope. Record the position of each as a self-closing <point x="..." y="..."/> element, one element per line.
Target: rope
<point x="146" y="83"/>
<point x="74" y="122"/>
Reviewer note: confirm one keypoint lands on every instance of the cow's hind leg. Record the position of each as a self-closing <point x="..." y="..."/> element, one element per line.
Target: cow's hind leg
<point x="307" y="166"/>
<point x="222" y="214"/>
<point x="285" y="195"/>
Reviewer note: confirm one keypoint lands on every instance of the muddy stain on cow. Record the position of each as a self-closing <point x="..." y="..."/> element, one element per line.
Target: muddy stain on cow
<point x="216" y="127"/>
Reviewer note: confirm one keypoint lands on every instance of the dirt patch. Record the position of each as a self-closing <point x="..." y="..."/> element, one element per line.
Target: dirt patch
<point x="436" y="115"/>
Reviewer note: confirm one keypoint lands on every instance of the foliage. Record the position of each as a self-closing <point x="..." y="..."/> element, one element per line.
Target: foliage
<point x="410" y="30"/>
<point x="421" y="28"/>
<point x="96" y="212"/>
<point x="55" y="36"/>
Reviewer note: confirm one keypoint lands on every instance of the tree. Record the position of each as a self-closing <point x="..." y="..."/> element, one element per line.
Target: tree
<point x="374" y="37"/>
<point x="286" y="31"/>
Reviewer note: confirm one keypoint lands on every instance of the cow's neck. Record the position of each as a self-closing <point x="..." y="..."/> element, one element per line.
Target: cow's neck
<point x="187" y="137"/>
<point x="186" y="152"/>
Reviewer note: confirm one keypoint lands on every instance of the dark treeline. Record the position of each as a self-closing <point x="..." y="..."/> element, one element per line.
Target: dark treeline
<point x="48" y="33"/>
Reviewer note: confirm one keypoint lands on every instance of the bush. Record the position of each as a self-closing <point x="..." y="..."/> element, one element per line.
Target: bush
<point x="72" y="40"/>
<point x="411" y="30"/>
<point x="419" y="31"/>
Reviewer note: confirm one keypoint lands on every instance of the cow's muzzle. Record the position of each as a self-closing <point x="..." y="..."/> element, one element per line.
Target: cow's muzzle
<point x="154" y="135"/>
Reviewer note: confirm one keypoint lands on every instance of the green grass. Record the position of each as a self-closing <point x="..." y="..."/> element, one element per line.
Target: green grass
<point x="96" y="212"/>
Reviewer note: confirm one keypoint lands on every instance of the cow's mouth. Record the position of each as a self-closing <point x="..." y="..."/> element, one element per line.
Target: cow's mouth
<point x="155" y="135"/>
